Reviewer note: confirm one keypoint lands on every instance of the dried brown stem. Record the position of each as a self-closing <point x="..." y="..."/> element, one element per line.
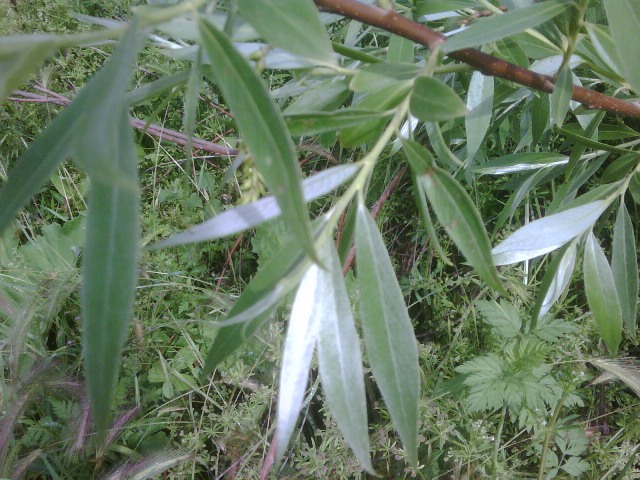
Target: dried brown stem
<point x="151" y="129"/>
<point x="392" y="22"/>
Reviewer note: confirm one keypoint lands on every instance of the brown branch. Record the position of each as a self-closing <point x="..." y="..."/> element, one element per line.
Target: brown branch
<point x="392" y="22"/>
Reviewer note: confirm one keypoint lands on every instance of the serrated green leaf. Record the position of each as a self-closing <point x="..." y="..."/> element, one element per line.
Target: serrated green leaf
<point x="501" y="26"/>
<point x="624" y="20"/>
<point x="262" y="127"/>
<point x="556" y="279"/>
<point x="433" y="101"/>
<point x="300" y="343"/>
<point x="340" y="361"/>
<point x="521" y="162"/>
<point x="293" y="25"/>
<point x="602" y="295"/>
<point x="548" y="233"/>
<point x="460" y="218"/>
<point x="624" y="266"/>
<point x="391" y="344"/>
<point x="503" y="317"/>
<point x="561" y="95"/>
<point x="480" y="106"/>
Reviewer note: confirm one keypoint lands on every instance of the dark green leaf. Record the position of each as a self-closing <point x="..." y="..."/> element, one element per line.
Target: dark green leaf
<point x="312" y="123"/>
<point x="624" y="266"/>
<point x="501" y="26"/>
<point x="391" y="344"/>
<point x="602" y="295"/>
<point x="433" y="101"/>
<point x="340" y="360"/>
<point x="581" y="139"/>
<point x="263" y="129"/>
<point x="293" y="25"/>
<point x="460" y="218"/>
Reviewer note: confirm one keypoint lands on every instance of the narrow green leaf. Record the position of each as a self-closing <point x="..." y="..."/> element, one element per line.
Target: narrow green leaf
<point x="602" y="295"/>
<point x="253" y="214"/>
<point x="110" y="255"/>
<point x="391" y="344"/>
<point x="312" y="123"/>
<point x="480" y="106"/>
<point x="501" y="26"/>
<point x="521" y="162"/>
<point x="153" y="89"/>
<point x="460" y="218"/>
<point x="601" y="39"/>
<point x="540" y="111"/>
<point x="340" y="361"/>
<point x="548" y="233"/>
<point x="262" y="127"/>
<point x="554" y="282"/>
<point x="299" y="346"/>
<point x="20" y="55"/>
<point x="401" y="50"/>
<point x="582" y="140"/>
<point x="373" y="78"/>
<point x="561" y="95"/>
<point x="624" y="21"/>
<point x="624" y="266"/>
<point x="625" y="369"/>
<point x="381" y="101"/>
<point x="293" y="25"/>
<point x="279" y="276"/>
<point x="433" y="101"/>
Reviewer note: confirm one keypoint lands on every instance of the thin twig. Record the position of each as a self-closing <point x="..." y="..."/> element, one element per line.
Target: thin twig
<point x="392" y="22"/>
<point x="151" y="129"/>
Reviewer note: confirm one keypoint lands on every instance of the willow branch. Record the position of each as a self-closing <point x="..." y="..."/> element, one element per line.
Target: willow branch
<point x="489" y="65"/>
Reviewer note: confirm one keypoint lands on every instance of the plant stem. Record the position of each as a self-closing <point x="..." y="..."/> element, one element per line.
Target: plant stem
<point x="496" y="446"/>
<point x="549" y="435"/>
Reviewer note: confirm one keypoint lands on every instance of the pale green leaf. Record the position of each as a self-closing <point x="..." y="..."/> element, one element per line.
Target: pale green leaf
<point x="401" y="50"/>
<point x="547" y="234"/>
<point x="252" y="214"/>
<point x="504" y="317"/>
<point x="601" y="39"/>
<point x="391" y="344"/>
<point x="433" y="101"/>
<point x="521" y="162"/>
<point x="561" y="95"/>
<point x="460" y="218"/>
<point x="602" y="295"/>
<point x="624" y="21"/>
<point x="262" y="127"/>
<point x="299" y="346"/>
<point x="480" y="106"/>
<point x="340" y="361"/>
<point x="624" y="266"/>
<point x="373" y="78"/>
<point x="501" y="26"/>
<point x="555" y="281"/>
<point x="293" y="25"/>
<point x="625" y="369"/>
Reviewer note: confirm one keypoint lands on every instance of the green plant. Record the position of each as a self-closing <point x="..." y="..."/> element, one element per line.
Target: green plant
<point x="501" y="154"/>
